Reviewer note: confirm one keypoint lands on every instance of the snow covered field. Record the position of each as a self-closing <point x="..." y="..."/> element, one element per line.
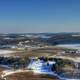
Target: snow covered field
<point x="71" y="46"/>
<point x="6" y="51"/>
<point x="41" y="67"/>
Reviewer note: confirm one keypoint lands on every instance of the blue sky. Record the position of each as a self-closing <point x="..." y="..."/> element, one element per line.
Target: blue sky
<point x="39" y="16"/>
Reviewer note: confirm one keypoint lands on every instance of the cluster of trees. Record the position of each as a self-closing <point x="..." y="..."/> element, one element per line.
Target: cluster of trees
<point x="15" y="63"/>
<point x="62" y="64"/>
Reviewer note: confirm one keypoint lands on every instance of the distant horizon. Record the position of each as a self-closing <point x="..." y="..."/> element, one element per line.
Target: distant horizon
<point x="39" y="32"/>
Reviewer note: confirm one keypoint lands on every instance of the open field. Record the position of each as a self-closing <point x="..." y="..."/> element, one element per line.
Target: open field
<point x="30" y="53"/>
<point x="29" y="76"/>
<point x="49" y="52"/>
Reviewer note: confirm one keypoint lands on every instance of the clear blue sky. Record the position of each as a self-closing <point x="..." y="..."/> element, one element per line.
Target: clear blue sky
<point x="39" y="16"/>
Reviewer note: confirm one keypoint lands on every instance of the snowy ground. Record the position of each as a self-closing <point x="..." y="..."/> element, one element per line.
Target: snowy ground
<point x="36" y="67"/>
<point x="71" y="46"/>
<point x="6" y="51"/>
<point x="9" y="72"/>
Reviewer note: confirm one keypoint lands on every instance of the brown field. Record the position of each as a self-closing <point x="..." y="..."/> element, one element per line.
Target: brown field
<point x="36" y="52"/>
<point x="30" y="76"/>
